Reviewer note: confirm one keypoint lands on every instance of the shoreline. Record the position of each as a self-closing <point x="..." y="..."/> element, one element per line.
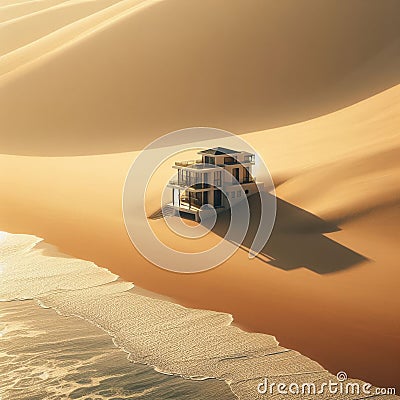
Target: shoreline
<point x="130" y="290"/>
<point x="46" y="298"/>
<point x="311" y="296"/>
<point x="104" y="374"/>
<point x="88" y="89"/>
<point x="253" y="317"/>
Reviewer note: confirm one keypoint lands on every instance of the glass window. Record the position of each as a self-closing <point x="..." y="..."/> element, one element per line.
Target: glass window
<point x="246" y="177"/>
<point x="217" y="198"/>
<point x="217" y="178"/>
<point x="249" y="158"/>
<point x="209" y="160"/>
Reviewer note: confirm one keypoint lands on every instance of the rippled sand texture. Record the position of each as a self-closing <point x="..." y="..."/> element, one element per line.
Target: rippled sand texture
<point x="46" y="356"/>
<point x="174" y="339"/>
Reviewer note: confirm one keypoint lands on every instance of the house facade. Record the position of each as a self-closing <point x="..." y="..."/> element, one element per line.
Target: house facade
<point x="212" y="179"/>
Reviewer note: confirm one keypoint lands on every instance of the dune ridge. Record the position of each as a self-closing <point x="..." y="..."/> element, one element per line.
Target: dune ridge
<point x="65" y="35"/>
<point x="28" y="28"/>
<point x="351" y="156"/>
<point x="79" y="101"/>
<point x="74" y="202"/>
<point x="100" y="76"/>
<point x="19" y="9"/>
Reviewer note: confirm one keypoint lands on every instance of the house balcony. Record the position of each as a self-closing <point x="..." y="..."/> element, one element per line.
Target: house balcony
<point x="244" y="182"/>
<point x="188" y="185"/>
<point x="249" y="180"/>
<point x="232" y="162"/>
<point x="190" y="202"/>
<point x="200" y="164"/>
<point x="187" y="163"/>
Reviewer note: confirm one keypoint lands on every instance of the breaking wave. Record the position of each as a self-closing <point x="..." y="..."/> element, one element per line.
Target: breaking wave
<point x="175" y="340"/>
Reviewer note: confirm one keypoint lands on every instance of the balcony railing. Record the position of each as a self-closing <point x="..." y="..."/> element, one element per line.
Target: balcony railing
<point x="187" y="163"/>
<point x="191" y="202"/>
<point x="189" y="184"/>
<point x="233" y="162"/>
<point x="197" y="186"/>
<point x="200" y="164"/>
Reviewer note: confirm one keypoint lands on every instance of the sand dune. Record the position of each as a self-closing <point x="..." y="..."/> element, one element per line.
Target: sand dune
<point x="38" y="44"/>
<point x="93" y="77"/>
<point x="75" y="203"/>
<point x="116" y="79"/>
<point x="29" y="28"/>
<point x="342" y="164"/>
<point x="11" y="10"/>
<point x="355" y="186"/>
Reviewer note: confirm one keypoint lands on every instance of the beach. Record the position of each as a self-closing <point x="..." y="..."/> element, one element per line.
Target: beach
<point x="85" y="86"/>
<point x="82" y="216"/>
<point x="174" y="340"/>
<point x="45" y="356"/>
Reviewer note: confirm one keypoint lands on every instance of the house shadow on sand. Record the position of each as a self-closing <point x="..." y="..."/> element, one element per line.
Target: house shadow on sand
<point x="297" y="239"/>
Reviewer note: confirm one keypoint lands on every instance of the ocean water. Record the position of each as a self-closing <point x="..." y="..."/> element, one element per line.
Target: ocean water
<point x="46" y="356"/>
<point x="77" y="344"/>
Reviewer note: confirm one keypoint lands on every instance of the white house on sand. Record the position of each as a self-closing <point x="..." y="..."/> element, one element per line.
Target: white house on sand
<point x="203" y="181"/>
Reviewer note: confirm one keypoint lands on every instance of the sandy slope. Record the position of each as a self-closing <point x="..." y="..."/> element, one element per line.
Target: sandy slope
<point x="343" y="164"/>
<point x="29" y="28"/>
<point x="90" y="77"/>
<point x="55" y="28"/>
<point x="113" y="80"/>
<point x="19" y="9"/>
<point x="346" y="320"/>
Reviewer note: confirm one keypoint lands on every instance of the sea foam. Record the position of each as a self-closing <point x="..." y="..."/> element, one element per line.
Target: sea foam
<point x="195" y="344"/>
<point x="27" y="273"/>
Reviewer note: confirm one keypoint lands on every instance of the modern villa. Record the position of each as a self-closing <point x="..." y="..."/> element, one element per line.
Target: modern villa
<point x="203" y="181"/>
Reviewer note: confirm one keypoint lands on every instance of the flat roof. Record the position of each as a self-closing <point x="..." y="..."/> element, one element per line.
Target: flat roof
<point x="197" y="166"/>
<point x="218" y="151"/>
